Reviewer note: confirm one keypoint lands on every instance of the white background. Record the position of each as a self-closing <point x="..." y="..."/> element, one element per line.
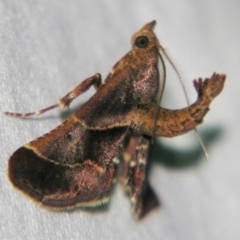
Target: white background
<point x="47" y="47"/>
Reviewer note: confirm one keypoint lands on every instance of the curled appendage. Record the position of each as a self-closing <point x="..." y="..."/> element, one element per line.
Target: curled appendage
<point x="172" y="123"/>
<point x="209" y="88"/>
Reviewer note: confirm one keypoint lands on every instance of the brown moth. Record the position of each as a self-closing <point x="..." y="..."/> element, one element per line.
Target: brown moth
<point x="76" y="163"/>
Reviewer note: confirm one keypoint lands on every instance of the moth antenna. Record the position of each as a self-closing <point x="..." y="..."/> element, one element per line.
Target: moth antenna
<point x="159" y="97"/>
<point x="186" y="98"/>
<point x="201" y="143"/>
<point x="178" y="75"/>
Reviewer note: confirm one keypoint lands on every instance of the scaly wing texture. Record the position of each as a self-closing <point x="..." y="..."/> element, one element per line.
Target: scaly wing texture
<point x="75" y="168"/>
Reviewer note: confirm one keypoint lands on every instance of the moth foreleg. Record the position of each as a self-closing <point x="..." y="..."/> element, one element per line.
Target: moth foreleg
<point x="95" y="80"/>
<point x="64" y="102"/>
<point x="171" y="123"/>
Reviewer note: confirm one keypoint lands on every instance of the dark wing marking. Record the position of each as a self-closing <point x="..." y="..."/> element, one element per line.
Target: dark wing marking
<point x="61" y="177"/>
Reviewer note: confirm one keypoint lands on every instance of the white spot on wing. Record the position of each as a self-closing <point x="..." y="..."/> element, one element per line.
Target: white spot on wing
<point x="116" y="160"/>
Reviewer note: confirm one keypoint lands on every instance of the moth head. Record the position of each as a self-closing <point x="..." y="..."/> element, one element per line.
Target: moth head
<point x="145" y="38"/>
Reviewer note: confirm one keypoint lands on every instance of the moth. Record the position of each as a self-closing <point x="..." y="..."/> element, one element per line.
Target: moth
<point x="110" y="136"/>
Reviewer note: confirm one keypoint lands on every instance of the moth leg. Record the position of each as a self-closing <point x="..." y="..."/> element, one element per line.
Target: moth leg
<point x="95" y="80"/>
<point x="176" y="122"/>
<point x="134" y="176"/>
<point x="64" y="102"/>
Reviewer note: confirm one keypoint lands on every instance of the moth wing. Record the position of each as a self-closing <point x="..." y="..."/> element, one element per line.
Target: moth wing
<point x="70" y="166"/>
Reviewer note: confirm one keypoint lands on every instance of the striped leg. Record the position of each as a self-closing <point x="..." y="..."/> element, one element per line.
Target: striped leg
<point x="64" y="102"/>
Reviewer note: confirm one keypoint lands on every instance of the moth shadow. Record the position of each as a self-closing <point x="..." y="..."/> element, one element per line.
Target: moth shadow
<point x="181" y="158"/>
<point x="66" y="113"/>
<point x="92" y="210"/>
<point x="98" y="209"/>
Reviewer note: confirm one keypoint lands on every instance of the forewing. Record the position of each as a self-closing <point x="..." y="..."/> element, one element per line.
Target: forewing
<point x="63" y="169"/>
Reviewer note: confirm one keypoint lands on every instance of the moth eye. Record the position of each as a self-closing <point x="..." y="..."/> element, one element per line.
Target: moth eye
<point x="141" y="41"/>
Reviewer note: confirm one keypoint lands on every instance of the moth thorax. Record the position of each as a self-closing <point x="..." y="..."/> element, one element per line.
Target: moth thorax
<point x="146" y="84"/>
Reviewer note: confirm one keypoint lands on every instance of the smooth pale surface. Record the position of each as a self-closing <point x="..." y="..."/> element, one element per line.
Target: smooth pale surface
<point x="48" y="47"/>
